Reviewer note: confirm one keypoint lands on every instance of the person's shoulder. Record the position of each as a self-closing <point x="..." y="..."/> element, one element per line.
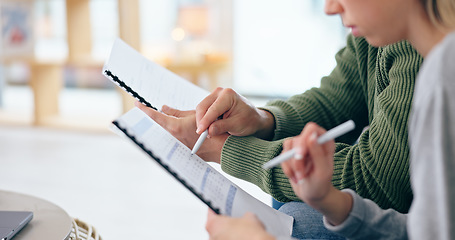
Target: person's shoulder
<point x="444" y="52"/>
<point x="439" y="64"/>
<point x="401" y="48"/>
<point x="448" y="41"/>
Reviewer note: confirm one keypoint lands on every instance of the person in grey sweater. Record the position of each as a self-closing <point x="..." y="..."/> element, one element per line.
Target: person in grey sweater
<point x="429" y="26"/>
<point x="432" y="139"/>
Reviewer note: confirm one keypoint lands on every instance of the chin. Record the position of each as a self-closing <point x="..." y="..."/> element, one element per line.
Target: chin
<point x="381" y="42"/>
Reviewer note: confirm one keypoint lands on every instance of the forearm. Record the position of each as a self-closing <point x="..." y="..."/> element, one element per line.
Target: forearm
<point x="266" y="125"/>
<point x="366" y="220"/>
<point x="211" y="151"/>
<point x="243" y="157"/>
<point x="335" y="206"/>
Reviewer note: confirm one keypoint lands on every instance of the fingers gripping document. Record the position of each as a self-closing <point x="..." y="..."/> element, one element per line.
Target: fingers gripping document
<point x="155" y="86"/>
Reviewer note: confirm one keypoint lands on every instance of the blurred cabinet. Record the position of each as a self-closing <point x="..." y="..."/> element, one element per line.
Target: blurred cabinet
<point x="129" y="31"/>
<point x="47" y="78"/>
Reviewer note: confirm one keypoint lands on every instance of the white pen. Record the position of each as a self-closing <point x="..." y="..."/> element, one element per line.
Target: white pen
<point x="199" y="141"/>
<point x="329" y="135"/>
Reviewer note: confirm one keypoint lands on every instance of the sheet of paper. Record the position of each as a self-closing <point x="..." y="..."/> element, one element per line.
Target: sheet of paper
<point x="205" y="180"/>
<point x="153" y="82"/>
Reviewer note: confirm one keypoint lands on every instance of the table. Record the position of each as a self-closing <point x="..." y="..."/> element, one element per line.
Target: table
<point x="49" y="221"/>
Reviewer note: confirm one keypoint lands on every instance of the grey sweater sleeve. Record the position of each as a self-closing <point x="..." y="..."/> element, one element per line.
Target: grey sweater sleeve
<point x="432" y="138"/>
<point x="368" y="221"/>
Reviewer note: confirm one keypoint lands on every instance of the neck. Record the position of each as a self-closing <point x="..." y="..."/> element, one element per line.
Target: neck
<point x="423" y="35"/>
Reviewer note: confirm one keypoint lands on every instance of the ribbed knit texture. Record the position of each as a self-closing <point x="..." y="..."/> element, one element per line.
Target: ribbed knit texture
<point x="372" y="86"/>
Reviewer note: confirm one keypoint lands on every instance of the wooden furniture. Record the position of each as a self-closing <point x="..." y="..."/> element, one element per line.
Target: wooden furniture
<point x="46" y="83"/>
<point x="47" y="78"/>
<point x="129" y="31"/>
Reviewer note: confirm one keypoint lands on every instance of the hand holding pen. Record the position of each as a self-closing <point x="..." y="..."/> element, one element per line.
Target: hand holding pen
<point x="329" y="135"/>
<point x="310" y="173"/>
<point x="239" y="116"/>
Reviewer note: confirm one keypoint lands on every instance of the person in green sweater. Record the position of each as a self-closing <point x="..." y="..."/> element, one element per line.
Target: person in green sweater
<point x="371" y="85"/>
<point x="430" y="26"/>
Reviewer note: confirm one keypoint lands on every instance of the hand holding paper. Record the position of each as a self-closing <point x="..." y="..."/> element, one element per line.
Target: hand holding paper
<point x="157" y="86"/>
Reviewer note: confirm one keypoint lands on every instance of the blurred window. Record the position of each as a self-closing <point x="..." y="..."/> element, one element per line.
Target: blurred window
<point x="279" y="48"/>
<point x="283" y="47"/>
<point x="50" y="27"/>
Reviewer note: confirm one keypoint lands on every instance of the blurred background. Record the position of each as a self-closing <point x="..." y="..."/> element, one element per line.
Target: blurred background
<point x="56" y="106"/>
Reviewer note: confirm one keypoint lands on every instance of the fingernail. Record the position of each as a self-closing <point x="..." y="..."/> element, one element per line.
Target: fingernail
<point x="298" y="155"/>
<point x="214" y="130"/>
<point x="313" y="136"/>
<point x="301" y="181"/>
<point x="299" y="176"/>
<point x="294" y="180"/>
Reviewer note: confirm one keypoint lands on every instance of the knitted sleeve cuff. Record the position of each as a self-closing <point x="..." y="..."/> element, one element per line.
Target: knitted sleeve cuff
<point x="246" y="163"/>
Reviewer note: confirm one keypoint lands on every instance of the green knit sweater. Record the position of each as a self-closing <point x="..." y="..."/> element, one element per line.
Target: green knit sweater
<point x="372" y="86"/>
